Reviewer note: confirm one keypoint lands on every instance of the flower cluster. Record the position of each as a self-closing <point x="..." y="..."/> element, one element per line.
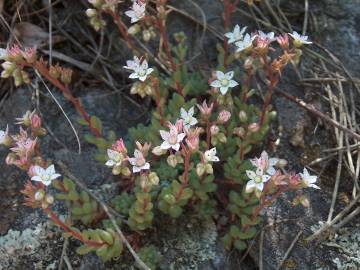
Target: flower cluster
<point x="265" y="173"/>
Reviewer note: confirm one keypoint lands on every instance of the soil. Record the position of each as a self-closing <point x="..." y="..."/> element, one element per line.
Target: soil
<point x="338" y="28"/>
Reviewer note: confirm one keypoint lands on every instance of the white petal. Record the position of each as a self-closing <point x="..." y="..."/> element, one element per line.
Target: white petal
<point x="273" y="161"/>
<point x="215" y="159"/>
<point x="164" y="135"/>
<point x="183" y="113"/>
<point x="229" y="75"/>
<point x="47" y="182"/>
<point x="136" y="169"/>
<point x="39" y="170"/>
<point x="215" y="83"/>
<point x="176" y="146"/>
<point x="130" y="13"/>
<point x="191" y="111"/>
<point x="250" y="186"/>
<point x="223" y="90"/>
<point x="50" y="170"/>
<point x="193" y="121"/>
<point x="260" y="186"/>
<point x="314" y="186"/>
<point x="54" y="176"/>
<point x="165" y="145"/>
<point x="149" y="71"/>
<point x="180" y="137"/>
<point x="220" y="75"/>
<point x="250" y="174"/>
<point x="271" y="171"/>
<point x="138" y="154"/>
<point x="265" y="178"/>
<point x="132" y="161"/>
<point x="110" y="163"/>
<point x="36" y="178"/>
<point x="146" y="166"/>
<point x="233" y="83"/>
<point x="133" y="76"/>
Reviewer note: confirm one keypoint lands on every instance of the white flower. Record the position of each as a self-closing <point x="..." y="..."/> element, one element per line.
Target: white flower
<point x="266" y="36"/>
<point x="171" y="139"/>
<point x="141" y="72"/>
<point x="137" y="12"/>
<point x="245" y="43"/>
<point x="138" y="162"/>
<point x="4" y="135"/>
<point x="236" y="35"/>
<point x="210" y="155"/>
<point x="265" y="163"/>
<point x="308" y="180"/>
<point x="45" y="175"/>
<point x="188" y="117"/>
<point x="115" y="158"/>
<point x="133" y="64"/>
<point x="224" y="81"/>
<point x="299" y="39"/>
<point x="257" y="180"/>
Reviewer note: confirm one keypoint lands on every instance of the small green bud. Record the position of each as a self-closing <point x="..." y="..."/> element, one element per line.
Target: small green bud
<point x="200" y="169"/>
<point x="243" y="116"/>
<point x="172" y="161"/>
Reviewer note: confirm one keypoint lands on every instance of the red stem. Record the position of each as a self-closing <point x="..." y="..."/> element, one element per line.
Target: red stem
<point x="42" y="69"/>
<point x="66" y="228"/>
<point x="155" y="83"/>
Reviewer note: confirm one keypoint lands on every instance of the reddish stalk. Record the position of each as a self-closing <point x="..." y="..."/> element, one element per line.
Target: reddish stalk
<point x="185" y="181"/>
<point x="66" y="228"/>
<point x="273" y="83"/>
<point x="229" y="8"/>
<point x="122" y="28"/>
<point x="42" y="69"/>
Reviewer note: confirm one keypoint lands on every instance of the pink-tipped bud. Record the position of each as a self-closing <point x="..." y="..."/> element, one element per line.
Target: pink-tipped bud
<point x="31" y="172"/>
<point x="179" y="125"/>
<point x="253" y="127"/>
<point x="283" y="41"/>
<point x="35" y="121"/>
<point x="224" y="116"/>
<point x="10" y="159"/>
<point x="119" y="146"/>
<point x="214" y="129"/>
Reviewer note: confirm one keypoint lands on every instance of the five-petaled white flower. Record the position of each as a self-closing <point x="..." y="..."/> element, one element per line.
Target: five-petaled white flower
<point x="46" y="176"/>
<point x="172" y="138"/>
<point x="137" y="12"/>
<point x="308" y="180"/>
<point x="133" y="64"/>
<point x="188" y="117"/>
<point x="139" y="162"/>
<point x="236" y="35"/>
<point x="265" y="163"/>
<point x="210" y="155"/>
<point x="115" y="158"/>
<point x="266" y="36"/>
<point x="257" y="180"/>
<point x="300" y="39"/>
<point x="224" y="81"/>
<point x="141" y="72"/>
<point x="246" y="43"/>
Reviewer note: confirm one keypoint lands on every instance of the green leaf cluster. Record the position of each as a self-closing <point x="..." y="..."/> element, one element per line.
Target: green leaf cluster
<point x="141" y="212"/>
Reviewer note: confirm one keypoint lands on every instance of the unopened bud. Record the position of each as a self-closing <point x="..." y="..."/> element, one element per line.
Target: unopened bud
<point x="91" y="12"/>
<point x="146" y="35"/>
<point x="240" y="131"/>
<point x="116" y="170"/>
<point x="254" y="127"/>
<point x="125" y="171"/>
<point x="248" y="64"/>
<point x="224" y="116"/>
<point x="35" y="121"/>
<point x="158" y="151"/>
<point x="209" y="169"/>
<point x="222" y="138"/>
<point x="66" y="75"/>
<point x="200" y="169"/>
<point x="172" y="160"/>
<point x="272" y="115"/>
<point x="153" y="178"/>
<point x="49" y="199"/>
<point x="243" y="116"/>
<point x="134" y="29"/>
<point x="214" y="129"/>
<point x="39" y="195"/>
<point x="10" y="159"/>
<point x="282" y="163"/>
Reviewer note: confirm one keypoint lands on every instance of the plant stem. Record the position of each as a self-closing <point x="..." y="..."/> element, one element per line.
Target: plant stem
<point x="42" y="69"/>
<point x="68" y="229"/>
<point x="159" y="107"/>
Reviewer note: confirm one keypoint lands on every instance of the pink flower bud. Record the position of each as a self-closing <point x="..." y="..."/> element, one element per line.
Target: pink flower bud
<point x="35" y="121"/>
<point x="214" y="129"/>
<point x="10" y="159"/>
<point x="119" y="146"/>
<point x="254" y="127"/>
<point x="283" y="41"/>
<point x="31" y="172"/>
<point x="224" y="116"/>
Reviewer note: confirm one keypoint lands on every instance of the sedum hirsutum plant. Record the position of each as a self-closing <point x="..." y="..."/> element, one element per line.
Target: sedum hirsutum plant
<point x="198" y="155"/>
